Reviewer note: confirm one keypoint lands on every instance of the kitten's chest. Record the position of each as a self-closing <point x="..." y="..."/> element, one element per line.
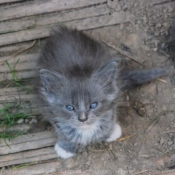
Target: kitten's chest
<point x="85" y="136"/>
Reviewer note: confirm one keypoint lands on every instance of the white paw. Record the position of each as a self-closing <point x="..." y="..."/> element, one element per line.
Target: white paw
<point x="62" y="153"/>
<point x="117" y="132"/>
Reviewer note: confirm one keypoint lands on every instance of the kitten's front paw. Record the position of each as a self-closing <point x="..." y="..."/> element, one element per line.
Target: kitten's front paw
<point x="63" y="153"/>
<point x="117" y="132"/>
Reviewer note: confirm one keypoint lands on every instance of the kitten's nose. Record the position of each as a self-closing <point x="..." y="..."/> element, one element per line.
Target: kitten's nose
<point x="82" y="117"/>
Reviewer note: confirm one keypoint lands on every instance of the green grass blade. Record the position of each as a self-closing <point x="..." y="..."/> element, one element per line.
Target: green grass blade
<point x="5" y="108"/>
<point x="12" y="71"/>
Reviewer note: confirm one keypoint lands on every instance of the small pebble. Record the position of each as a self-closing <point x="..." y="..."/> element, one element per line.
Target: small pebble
<point x="20" y="121"/>
<point x="135" y="144"/>
<point x="121" y="26"/>
<point x="162" y="140"/>
<point x="26" y="120"/>
<point x="34" y="120"/>
<point x="158" y="25"/>
<point x="150" y="37"/>
<point x="169" y="143"/>
<point x="155" y="49"/>
<point x="162" y="45"/>
<point x="170" y="9"/>
<point x="30" y="122"/>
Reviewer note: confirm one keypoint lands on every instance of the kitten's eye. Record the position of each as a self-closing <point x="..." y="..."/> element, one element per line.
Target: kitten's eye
<point x="69" y="107"/>
<point x="93" y="105"/>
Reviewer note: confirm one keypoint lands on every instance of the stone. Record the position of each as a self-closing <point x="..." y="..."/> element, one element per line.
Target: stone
<point x="158" y="25"/>
<point x="121" y="26"/>
<point x="20" y="121"/>
<point x="30" y="122"/>
<point x="162" y="45"/>
<point x="34" y="120"/>
<point x="155" y="49"/>
<point x="170" y="143"/>
<point x="166" y="25"/>
<point x="170" y="9"/>
<point x="162" y="140"/>
<point x="26" y="120"/>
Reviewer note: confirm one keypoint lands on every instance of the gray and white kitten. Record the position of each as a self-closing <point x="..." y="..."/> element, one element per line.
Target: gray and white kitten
<point x="79" y="85"/>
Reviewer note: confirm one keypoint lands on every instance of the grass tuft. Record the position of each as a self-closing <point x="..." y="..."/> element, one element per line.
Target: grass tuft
<point x="9" y="114"/>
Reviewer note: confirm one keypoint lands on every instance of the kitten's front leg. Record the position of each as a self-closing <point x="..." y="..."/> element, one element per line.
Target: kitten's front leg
<point x="116" y="133"/>
<point x="65" y="149"/>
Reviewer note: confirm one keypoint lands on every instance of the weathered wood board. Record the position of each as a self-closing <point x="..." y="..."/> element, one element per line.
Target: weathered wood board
<point x="38" y="169"/>
<point x="27" y="142"/>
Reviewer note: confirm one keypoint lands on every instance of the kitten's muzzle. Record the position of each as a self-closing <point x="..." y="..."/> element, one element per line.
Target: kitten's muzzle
<point x="82" y="117"/>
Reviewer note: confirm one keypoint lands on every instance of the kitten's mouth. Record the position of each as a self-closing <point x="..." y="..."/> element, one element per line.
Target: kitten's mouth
<point x="84" y="125"/>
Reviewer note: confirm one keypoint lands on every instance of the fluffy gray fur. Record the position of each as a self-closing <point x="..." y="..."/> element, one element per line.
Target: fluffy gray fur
<point x="76" y="70"/>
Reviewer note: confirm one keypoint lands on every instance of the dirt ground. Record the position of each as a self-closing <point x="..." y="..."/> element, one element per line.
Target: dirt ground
<point x="148" y="123"/>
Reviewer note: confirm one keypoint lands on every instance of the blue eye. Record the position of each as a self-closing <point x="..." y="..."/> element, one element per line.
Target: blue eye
<point x="93" y="105"/>
<point x="69" y="107"/>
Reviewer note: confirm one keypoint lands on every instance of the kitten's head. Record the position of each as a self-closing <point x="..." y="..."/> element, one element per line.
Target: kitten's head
<point x="83" y="99"/>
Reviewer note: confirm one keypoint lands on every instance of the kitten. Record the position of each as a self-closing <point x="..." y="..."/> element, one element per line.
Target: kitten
<point x="79" y="84"/>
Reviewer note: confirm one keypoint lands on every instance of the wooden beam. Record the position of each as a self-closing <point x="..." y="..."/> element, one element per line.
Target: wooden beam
<point x="46" y="6"/>
<point x="14" y="90"/>
<point x="27" y="142"/>
<point x="28" y="156"/>
<point x="84" y="24"/>
<point x="20" y="75"/>
<point x="20" y="97"/>
<point x="33" y="22"/>
<point x="7" y="1"/>
<point x="19" y="67"/>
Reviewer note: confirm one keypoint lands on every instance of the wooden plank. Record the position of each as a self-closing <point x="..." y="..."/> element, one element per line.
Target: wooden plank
<point x="11" y="49"/>
<point x="19" y="67"/>
<point x="20" y="97"/>
<point x="22" y="58"/>
<point x="84" y="24"/>
<point x="28" y="156"/>
<point x="46" y="6"/>
<point x="23" y="24"/>
<point x="20" y="75"/>
<point x="27" y="142"/>
<point x="106" y="20"/>
<point x="74" y="15"/>
<point x="7" y="1"/>
<point x="19" y="127"/>
<point x="12" y="26"/>
<point x="14" y="90"/>
<point x="25" y="35"/>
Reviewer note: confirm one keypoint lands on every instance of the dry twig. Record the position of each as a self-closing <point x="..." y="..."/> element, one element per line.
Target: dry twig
<point x="153" y="123"/>
<point x="140" y="172"/>
<point x="110" y="151"/>
<point x="19" y="52"/>
<point x="164" y="81"/>
<point x="124" y="138"/>
<point x="123" y="53"/>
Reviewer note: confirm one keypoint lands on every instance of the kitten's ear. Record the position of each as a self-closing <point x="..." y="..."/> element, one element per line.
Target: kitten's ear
<point x="50" y="80"/>
<point x="107" y="73"/>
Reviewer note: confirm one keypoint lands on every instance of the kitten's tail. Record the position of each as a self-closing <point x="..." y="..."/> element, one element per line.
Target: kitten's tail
<point x="131" y="79"/>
